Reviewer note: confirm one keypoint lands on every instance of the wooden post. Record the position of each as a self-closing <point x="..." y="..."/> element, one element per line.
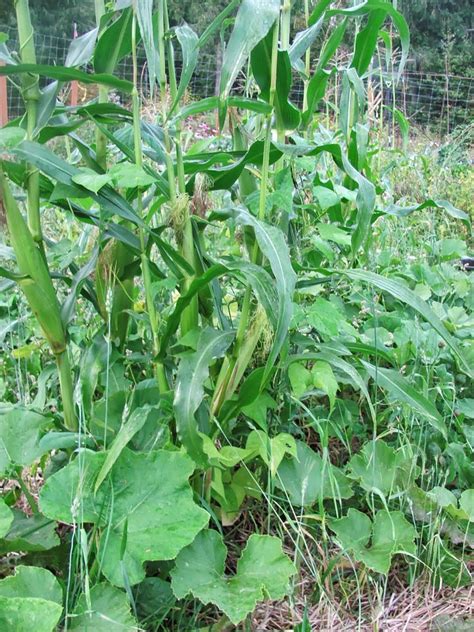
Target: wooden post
<point x="74" y="86"/>
<point x="3" y="99"/>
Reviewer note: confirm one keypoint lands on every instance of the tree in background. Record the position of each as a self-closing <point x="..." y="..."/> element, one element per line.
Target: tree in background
<point x="55" y="17"/>
<point x="441" y="31"/>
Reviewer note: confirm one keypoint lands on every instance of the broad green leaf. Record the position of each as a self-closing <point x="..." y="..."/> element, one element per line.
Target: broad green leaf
<point x="223" y="177"/>
<point x="81" y="49"/>
<point x="24" y="615"/>
<point x="323" y="378"/>
<point x="366" y="41"/>
<point x="330" y="232"/>
<point x="145" y="508"/>
<point x="271" y="449"/>
<point x="193" y="371"/>
<point x="274" y="248"/>
<point x="402" y="390"/>
<point x="379" y="468"/>
<point x="114" y="43"/>
<point x="306" y="478"/>
<point x="254" y="19"/>
<point x="20" y="433"/>
<point x="31" y="582"/>
<point x="300" y="377"/>
<point x="132" y="425"/>
<point x="405" y="295"/>
<point x="257" y="409"/>
<point x="6" y="518"/>
<point x="30" y="600"/>
<point x="443" y="497"/>
<point x="302" y="41"/>
<point x="188" y="41"/>
<point x="347" y="368"/>
<point x="107" y="611"/>
<point x="11" y="137"/>
<point x="29" y="533"/>
<point x="263" y="571"/>
<point x="320" y="376"/>
<point x="61" y="171"/>
<point x="399" y="21"/>
<point x="91" y="180"/>
<point x="326" y="197"/>
<point x="61" y="73"/>
<point x="318" y="82"/>
<point x="466" y="503"/>
<point x="126" y="175"/>
<point x="287" y="115"/>
<point x="390" y="533"/>
<point x="228" y="456"/>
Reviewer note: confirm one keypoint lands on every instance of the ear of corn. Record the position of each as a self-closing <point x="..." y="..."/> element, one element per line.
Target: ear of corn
<point x="38" y="287"/>
<point x="40" y="294"/>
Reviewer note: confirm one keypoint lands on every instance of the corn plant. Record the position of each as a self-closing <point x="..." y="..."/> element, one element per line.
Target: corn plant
<point x="178" y="410"/>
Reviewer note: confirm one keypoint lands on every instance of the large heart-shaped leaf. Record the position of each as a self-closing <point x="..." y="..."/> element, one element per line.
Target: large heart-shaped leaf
<point x="307" y="478"/>
<point x="379" y="468"/>
<point x="263" y="570"/>
<point x="391" y="533"/>
<point x="145" y="507"/>
<point x="106" y="610"/>
<point x="30" y="600"/>
<point x="20" y="433"/>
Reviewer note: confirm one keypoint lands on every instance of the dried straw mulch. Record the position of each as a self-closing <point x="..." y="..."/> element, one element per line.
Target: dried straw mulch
<point x="418" y="609"/>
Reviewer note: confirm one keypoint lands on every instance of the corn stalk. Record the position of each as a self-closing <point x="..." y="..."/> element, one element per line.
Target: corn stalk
<point x="30" y="93"/>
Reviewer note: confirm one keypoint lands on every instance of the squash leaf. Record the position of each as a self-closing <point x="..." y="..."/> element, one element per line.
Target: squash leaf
<point x="145" y="507"/>
<point x="263" y="570"/>
<point x="30" y="600"/>
<point x="390" y="533"/>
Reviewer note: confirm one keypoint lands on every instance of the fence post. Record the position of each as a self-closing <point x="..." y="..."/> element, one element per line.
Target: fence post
<point x="3" y="99"/>
<point x="74" y="86"/>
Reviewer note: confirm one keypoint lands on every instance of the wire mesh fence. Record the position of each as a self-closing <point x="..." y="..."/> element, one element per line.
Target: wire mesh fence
<point x="427" y="99"/>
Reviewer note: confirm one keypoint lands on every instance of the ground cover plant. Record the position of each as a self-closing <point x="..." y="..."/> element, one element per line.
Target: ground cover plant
<point x="224" y="370"/>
